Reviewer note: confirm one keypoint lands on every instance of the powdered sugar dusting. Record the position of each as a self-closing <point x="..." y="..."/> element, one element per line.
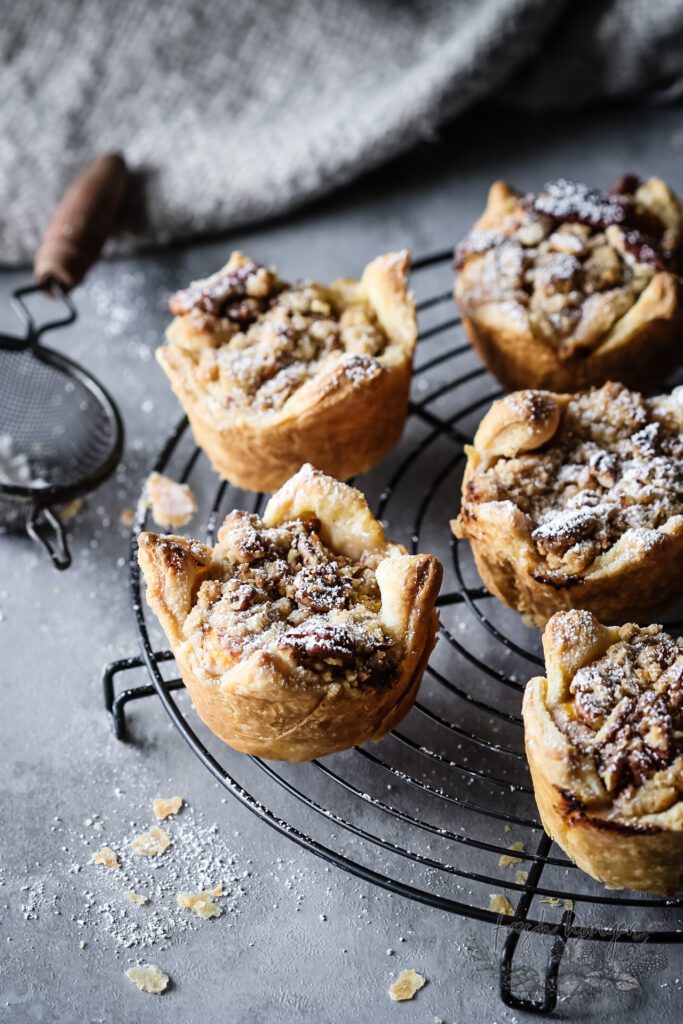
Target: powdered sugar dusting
<point x="569" y="263"/>
<point x="613" y="471"/>
<point x="628" y="713"/>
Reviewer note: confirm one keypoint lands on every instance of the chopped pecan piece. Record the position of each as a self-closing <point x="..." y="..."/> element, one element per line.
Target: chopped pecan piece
<point x="564" y="530"/>
<point x="321" y="642"/>
<point x="626" y="185"/>
<point x="241" y="536"/>
<point x="227" y="288"/>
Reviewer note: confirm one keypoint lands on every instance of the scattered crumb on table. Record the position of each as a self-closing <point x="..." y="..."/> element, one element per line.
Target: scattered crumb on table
<point x="106" y="857"/>
<point x="164" y="808"/>
<point x="498" y="904"/>
<point x="71" y="509"/>
<point x="406" y="985"/>
<point x="506" y="860"/>
<point x="149" y="844"/>
<point x="199" y="902"/>
<point x="148" y="978"/>
<point x="135" y="898"/>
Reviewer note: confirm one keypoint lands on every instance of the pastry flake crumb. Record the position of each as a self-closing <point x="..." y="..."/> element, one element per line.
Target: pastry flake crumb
<point x="569" y="904"/>
<point x="127" y="517"/>
<point x="199" y="902"/>
<point x="148" y="978"/>
<point x="172" y="504"/>
<point x="135" y="898"/>
<point x="163" y="808"/>
<point x="521" y="877"/>
<point x="218" y="891"/>
<point x="498" y="904"/>
<point x="552" y="900"/>
<point x="506" y="860"/>
<point x="106" y="857"/>
<point x="71" y="509"/>
<point x="149" y="844"/>
<point x="81" y="944"/>
<point x="406" y="985"/>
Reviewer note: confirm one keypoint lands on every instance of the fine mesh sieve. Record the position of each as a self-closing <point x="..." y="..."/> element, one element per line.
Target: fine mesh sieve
<point x="60" y="432"/>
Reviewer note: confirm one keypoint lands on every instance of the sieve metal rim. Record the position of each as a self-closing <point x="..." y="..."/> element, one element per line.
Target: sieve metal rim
<point x="57" y="494"/>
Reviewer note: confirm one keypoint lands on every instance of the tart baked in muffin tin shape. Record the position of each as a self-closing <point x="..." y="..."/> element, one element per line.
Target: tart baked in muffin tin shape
<point x="573" y="287"/>
<point x="273" y="375"/>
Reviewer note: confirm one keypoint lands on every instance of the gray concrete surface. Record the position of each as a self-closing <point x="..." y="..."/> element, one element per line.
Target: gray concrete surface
<point x="298" y="939"/>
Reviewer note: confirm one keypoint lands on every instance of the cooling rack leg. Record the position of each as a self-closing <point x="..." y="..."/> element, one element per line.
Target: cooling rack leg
<point x="549" y="1001"/>
<point x="115" y="703"/>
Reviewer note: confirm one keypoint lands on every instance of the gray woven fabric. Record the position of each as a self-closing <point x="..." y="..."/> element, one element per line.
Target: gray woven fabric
<point x="235" y="111"/>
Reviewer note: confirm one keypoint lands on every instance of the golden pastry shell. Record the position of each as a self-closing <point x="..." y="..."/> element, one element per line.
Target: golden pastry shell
<point x="632" y="580"/>
<point x="342" y="421"/>
<point x="259" y="705"/>
<point x="641" y="349"/>
<point x="641" y="852"/>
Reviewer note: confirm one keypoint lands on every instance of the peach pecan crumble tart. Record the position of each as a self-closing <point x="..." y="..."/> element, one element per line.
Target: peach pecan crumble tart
<point x="604" y="740"/>
<point x="573" y="287"/>
<point x="300" y="633"/>
<point x="576" y="501"/>
<point x="273" y="375"/>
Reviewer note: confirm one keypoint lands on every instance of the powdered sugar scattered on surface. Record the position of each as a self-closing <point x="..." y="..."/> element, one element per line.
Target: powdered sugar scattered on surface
<point x="199" y="858"/>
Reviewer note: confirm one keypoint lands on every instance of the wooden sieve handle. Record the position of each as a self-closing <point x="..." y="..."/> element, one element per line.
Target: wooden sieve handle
<point x="82" y="223"/>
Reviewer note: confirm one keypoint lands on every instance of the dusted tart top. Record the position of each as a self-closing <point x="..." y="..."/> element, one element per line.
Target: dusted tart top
<point x="570" y="262"/>
<point x="282" y="591"/>
<point x="255" y="340"/>
<point x="312" y="592"/>
<point x="619" y="700"/>
<point x="586" y="471"/>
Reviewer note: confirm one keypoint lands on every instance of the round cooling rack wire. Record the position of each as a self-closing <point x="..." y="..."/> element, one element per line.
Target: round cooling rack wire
<point x="477" y="789"/>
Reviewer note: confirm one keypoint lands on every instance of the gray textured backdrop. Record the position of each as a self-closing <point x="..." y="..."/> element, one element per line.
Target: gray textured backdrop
<point x="236" y="111"/>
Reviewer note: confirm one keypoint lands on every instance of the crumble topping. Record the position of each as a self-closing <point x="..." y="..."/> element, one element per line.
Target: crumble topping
<point x="614" y="465"/>
<point x="406" y="986"/>
<point x="626" y="712"/>
<point x="573" y="258"/>
<point x="269" y="338"/>
<point x="148" y="978"/>
<point x="283" y="591"/>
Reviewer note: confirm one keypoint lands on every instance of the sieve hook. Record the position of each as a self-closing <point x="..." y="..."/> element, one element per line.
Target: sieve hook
<point x="38" y="526"/>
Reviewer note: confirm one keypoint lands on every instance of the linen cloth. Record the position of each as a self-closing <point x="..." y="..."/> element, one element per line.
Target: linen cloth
<point x="231" y="112"/>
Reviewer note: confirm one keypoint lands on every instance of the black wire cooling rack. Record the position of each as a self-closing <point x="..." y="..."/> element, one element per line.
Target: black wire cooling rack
<point x="431" y="811"/>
